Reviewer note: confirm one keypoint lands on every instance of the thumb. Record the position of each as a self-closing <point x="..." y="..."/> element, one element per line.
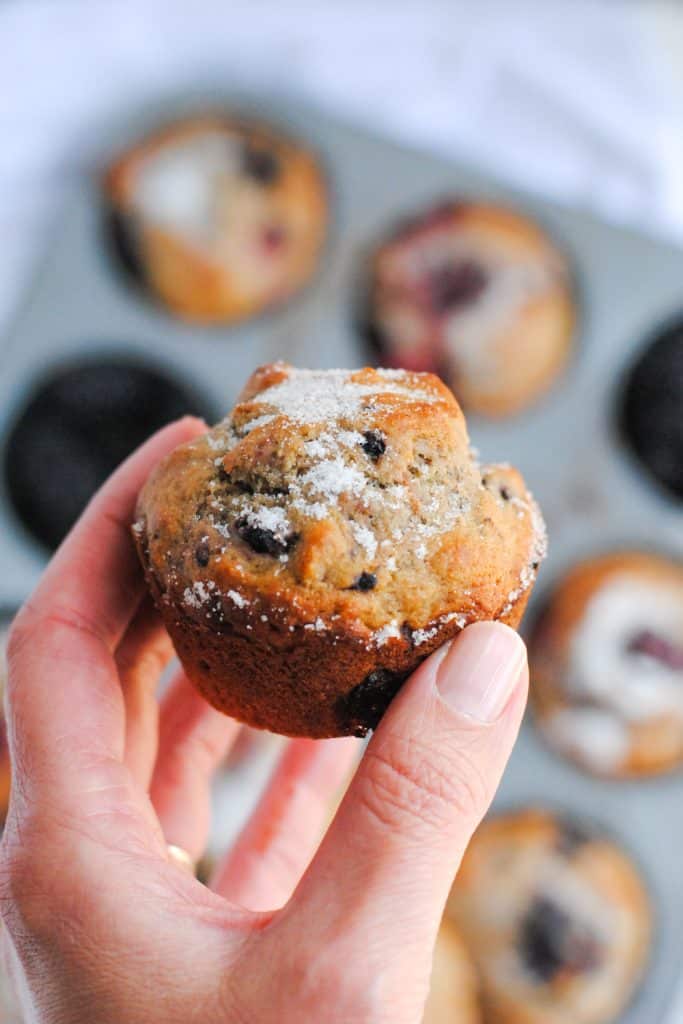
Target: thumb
<point x="384" y="870"/>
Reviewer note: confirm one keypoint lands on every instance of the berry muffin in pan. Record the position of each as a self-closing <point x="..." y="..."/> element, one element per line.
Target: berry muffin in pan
<point x="556" y="918"/>
<point x="606" y="663"/>
<point x="478" y="294"/>
<point x="313" y="548"/>
<point x="219" y="217"/>
<point x="78" y="424"/>
<point x="453" y="993"/>
<point x="652" y="409"/>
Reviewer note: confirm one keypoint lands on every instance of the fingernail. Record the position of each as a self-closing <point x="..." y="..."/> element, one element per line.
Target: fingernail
<point x="480" y="670"/>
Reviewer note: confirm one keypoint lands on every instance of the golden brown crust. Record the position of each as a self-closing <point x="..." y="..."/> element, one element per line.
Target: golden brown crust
<point x="265" y="234"/>
<point x="652" y="742"/>
<point x="525" y="877"/>
<point x="318" y="544"/>
<point x="479" y="294"/>
<point x="453" y="996"/>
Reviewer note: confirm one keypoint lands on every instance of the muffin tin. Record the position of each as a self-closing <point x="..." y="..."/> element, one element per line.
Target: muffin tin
<point x="567" y="445"/>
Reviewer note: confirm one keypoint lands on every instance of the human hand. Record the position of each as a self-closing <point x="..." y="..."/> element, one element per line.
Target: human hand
<point x="103" y="927"/>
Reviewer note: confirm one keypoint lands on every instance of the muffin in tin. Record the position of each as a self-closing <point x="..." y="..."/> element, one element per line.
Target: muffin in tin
<point x="556" y="917"/>
<point x="79" y="422"/>
<point x="650" y="413"/>
<point x="219" y="217"/>
<point x="478" y="294"/>
<point x="453" y="993"/>
<point x="606" y="661"/>
<point x="312" y="549"/>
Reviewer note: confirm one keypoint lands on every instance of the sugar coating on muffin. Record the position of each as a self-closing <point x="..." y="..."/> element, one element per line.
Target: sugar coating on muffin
<point x="556" y="917"/>
<point x="324" y="538"/>
<point x="219" y="216"/>
<point x="607" y="665"/>
<point x="478" y="294"/>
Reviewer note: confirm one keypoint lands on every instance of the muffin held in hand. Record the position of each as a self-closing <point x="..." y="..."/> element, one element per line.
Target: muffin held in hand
<point x="478" y="294"/>
<point x="219" y="217"/>
<point x="313" y="548"/>
<point x="556" y="918"/>
<point x="606" y="662"/>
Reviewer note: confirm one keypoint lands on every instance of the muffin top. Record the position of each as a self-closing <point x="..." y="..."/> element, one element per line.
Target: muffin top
<point x="341" y="498"/>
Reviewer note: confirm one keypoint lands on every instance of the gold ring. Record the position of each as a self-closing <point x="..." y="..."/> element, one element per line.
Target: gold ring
<point x="181" y="857"/>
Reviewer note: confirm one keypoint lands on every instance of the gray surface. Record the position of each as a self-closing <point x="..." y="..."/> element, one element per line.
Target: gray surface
<point x="592" y="495"/>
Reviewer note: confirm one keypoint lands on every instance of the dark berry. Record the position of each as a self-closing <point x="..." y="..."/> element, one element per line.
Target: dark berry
<point x="202" y="553"/>
<point x="650" y="414"/>
<point x="658" y="648"/>
<point x="366" y="703"/>
<point x="273" y="237"/>
<point x="366" y="581"/>
<point x="552" y="941"/>
<point x="262" y="541"/>
<point x="261" y="164"/>
<point x="456" y="284"/>
<point x="374" y="444"/>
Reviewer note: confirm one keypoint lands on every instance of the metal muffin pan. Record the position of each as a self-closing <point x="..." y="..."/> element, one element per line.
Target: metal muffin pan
<point x="591" y="492"/>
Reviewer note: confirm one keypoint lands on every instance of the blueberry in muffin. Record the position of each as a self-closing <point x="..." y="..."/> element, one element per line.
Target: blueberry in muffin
<point x="313" y="548"/>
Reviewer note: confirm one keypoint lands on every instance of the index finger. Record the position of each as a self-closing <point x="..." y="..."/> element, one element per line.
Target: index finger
<point x="64" y="698"/>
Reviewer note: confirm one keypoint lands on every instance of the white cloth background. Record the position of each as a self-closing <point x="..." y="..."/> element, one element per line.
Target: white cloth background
<point x="578" y="99"/>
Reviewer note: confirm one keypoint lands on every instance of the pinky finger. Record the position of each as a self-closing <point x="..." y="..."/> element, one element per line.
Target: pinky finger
<point x="264" y="866"/>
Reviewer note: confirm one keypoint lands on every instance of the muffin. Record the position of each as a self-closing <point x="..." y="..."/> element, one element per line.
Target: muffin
<point x="312" y="549"/>
<point x="477" y="294"/>
<point x="78" y="424"/>
<point x="219" y="217"/>
<point x="453" y="997"/>
<point x="650" y="415"/>
<point x="606" y="662"/>
<point x="556" y="918"/>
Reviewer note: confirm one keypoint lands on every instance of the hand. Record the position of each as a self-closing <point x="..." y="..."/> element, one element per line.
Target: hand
<point x="104" y="928"/>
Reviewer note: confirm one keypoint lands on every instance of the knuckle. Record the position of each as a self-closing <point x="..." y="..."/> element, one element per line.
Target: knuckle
<point x="404" y="783"/>
<point x="147" y="663"/>
<point x="332" y="979"/>
<point x="35" y="624"/>
<point x="24" y="895"/>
